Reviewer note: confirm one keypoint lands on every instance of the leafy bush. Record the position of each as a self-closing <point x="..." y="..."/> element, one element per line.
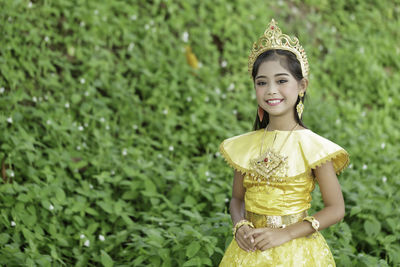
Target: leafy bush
<point x="109" y="137"/>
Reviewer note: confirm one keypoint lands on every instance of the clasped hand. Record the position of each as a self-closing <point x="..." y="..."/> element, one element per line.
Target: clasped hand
<point x="250" y="239"/>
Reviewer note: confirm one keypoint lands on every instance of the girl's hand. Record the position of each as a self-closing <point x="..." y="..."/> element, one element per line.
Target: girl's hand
<point x="266" y="238"/>
<point x="244" y="239"/>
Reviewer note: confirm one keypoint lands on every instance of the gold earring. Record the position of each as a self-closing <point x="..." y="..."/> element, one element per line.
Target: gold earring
<point x="300" y="106"/>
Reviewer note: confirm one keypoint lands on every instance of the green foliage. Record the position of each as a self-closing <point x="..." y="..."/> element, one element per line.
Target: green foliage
<point x="109" y="138"/>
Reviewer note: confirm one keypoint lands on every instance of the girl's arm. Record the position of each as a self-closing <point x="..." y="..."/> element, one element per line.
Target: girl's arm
<point x="332" y="213"/>
<point x="237" y="210"/>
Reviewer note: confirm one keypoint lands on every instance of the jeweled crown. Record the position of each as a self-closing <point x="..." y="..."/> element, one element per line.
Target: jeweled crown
<point x="273" y="38"/>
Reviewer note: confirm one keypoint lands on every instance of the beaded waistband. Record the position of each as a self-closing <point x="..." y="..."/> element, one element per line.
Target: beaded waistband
<point x="273" y="221"/>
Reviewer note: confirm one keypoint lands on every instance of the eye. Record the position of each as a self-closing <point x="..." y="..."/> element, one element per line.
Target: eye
<point x="282" y="81"/>
<point x="261" y="83"/>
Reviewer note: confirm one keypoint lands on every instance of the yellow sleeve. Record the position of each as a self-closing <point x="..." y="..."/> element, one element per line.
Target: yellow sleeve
<point x="318" y="150"/>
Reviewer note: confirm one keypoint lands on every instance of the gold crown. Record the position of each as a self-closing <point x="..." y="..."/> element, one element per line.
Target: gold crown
<point x="273" y="38"/>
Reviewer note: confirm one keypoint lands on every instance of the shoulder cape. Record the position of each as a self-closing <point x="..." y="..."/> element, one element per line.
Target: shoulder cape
<point x="305" y="150"/>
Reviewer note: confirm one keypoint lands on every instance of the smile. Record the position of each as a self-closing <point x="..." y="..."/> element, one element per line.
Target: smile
<point x="274" y="102"/>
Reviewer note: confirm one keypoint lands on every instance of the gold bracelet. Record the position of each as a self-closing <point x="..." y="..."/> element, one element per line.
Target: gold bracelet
<point x="314" y="222"/>
<point x="240" y="224"/>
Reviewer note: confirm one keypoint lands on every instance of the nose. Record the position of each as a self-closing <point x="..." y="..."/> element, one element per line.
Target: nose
<point x="271" y="89"/>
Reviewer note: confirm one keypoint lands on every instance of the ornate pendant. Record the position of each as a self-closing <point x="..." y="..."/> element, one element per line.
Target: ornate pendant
<point x="270" y="165"/>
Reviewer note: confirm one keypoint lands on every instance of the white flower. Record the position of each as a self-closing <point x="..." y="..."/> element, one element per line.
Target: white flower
<point x="46" y="39"/>
<point x="226" y="200"/>
<point x="34" y="99"/>
<point x="102" y="119"/>
<point x="124" y="152"/>
<point x="352" y="17"/>
<point x="107" y="127"/>
<point x="231" y="87"/>
<point x="80" y="128"/>
<point x="12" y="174"/>
<point x="207" y="173"/>
<point x="48" y="122"/>
<point x="87" y="243"/>
<point x="82" y="80"/>
<point x="51" y="207"/>
<point x="362" y="50"/>
<point x="224" y="63"/>
<point x="333" y="29"/>
<point x="189" y="99"/>
<point x="351" y="166"/>
<point x="9" y="19"/>
<point x="253" y="96"/>
<point x="82" y="236"/>
<point x="338" y="121"/>
<point x="363" y="114"/>
<point x="78" y="148"/>
<point x="147" y="26"/>
<point x="101" y="238"/>
<point x="185" y="37"/>
<point x="134" y="17"/>
<point x="112" y="172"/>
<point x="46" y="97"/>
<point x="200" y="65"/>
<point x="171" y="148"/>
<point x="206" y="99"/>
<point x="321" y="47"/>
<point x="159" y="156"/>
<point x="30" y="5"/>
<point x="364" y="167"/>
<point x="82" y="24"/>
<point x="234" y="111"/>
<point x="208" y="179"/>
<point x="390" y="100"/>
<point x="384" y="179"/>
<point x="217" y="90"/>
<point x="13" y="223"/>
<point x="1" y="90"/>
<point x="66" y="105"/>
<point x="90" y="186"/>
<point x="131" y="46"/>
<point x="383" y="145"/>
<point x="223" y="96"/>
<point x="160" y="223"/>
<point x="10" y="120"/>
<point x="135" y="127"/>
<point x="86" y="125"/>
<point x="217" y="154"/>
<point x="96" y="12"/>
<point x="165" y="111"/>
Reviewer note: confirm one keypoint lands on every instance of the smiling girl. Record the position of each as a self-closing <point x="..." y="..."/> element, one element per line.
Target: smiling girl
<point x="277" y="165"/>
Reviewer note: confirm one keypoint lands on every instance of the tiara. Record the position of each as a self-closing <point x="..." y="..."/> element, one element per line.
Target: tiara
<point x="273" y="38"/>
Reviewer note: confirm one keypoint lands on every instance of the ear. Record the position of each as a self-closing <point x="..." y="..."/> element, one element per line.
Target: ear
<point x="303" y="85"/>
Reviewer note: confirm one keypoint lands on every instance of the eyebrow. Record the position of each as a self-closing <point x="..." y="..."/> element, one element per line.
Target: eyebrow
<point x="278" y="74"/>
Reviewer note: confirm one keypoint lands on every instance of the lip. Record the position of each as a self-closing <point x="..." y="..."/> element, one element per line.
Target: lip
<point x="274" y="104"/>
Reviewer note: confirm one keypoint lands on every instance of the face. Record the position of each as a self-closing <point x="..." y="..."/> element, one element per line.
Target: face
<point x="277" y="90"/>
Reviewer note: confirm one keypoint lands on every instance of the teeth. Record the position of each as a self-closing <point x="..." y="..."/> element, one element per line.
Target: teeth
<point x="274" y="101"/>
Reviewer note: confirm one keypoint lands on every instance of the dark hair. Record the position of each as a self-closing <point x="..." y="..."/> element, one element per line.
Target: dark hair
<point x="287" y="60"/>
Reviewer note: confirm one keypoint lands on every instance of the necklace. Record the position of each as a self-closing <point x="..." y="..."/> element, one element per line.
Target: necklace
<point x="271" y="164"/>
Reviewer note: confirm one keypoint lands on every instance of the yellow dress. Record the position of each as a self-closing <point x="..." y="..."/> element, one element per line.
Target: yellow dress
<point x="282" y="195"/>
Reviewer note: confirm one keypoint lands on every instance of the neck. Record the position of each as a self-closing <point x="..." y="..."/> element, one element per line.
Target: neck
<point x="281" y="125"/>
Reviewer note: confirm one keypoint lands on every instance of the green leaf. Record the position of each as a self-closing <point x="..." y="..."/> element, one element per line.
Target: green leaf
<point x="106" y="260"/>
<point x="192" y="249"/>
<point x="372" y="227"/>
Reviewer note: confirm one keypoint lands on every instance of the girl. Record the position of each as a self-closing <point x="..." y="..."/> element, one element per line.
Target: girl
<point x="277" y="165"/>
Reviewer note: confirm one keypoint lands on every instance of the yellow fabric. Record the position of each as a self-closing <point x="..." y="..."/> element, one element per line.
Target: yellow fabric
<point x="305" y="151"/>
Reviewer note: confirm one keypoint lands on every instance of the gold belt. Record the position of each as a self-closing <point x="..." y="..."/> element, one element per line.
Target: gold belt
<point x="273" y="221"/>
